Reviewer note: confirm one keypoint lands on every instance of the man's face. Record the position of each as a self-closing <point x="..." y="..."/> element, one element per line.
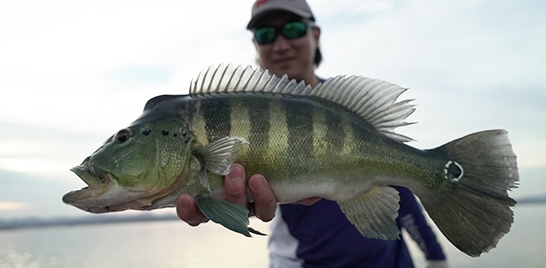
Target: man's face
<point x="291" y="57"/>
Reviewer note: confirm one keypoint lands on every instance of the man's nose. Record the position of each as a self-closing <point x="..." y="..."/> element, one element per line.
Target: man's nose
<point x="281" y="43"/>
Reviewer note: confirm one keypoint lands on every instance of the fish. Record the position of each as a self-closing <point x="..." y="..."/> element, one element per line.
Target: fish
<point x="336" y="141"/>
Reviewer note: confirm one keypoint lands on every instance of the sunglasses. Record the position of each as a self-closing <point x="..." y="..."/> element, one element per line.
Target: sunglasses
<point x="290" y="30"/>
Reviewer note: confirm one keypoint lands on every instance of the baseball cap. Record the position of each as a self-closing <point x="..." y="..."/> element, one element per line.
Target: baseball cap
<point x="263" y="7"/>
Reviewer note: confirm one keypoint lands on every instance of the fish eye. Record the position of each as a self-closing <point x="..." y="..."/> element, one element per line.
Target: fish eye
<point x="123" y="135"/>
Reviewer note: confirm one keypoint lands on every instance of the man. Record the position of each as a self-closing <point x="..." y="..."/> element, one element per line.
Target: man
<point x="316" y="234"/>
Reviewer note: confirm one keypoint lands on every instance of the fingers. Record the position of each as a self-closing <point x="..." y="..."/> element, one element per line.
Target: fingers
<point x="235" y="186"/>
<point x="187" y="210"/>
<point x="235" y="183"/>
<point x="235" y="190"/>
<point x="265" y="202"/>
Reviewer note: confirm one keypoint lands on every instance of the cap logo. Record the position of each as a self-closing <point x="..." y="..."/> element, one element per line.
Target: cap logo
<point x="260" y="2"/>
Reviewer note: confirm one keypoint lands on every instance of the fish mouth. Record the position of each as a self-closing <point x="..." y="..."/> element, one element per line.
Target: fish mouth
<point x="104" y="194"/>
<point x="98" y="182"/>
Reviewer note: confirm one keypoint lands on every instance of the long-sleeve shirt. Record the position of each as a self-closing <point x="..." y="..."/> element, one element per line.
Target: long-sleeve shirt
<point x="321" y="236"/>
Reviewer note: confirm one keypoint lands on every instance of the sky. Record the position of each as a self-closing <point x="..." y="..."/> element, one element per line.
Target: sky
<point x="74" y="72"/>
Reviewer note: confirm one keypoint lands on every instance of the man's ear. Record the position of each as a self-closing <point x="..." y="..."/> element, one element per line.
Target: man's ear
<point x="316" y="34"/>
<point x="258" y="63"/>
<point x="255" y="43"/>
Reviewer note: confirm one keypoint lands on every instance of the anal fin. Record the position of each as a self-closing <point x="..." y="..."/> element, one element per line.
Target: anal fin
<point x="373" y="213"/>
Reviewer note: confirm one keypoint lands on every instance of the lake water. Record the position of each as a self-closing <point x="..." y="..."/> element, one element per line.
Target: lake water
<point x="175" y="244"/>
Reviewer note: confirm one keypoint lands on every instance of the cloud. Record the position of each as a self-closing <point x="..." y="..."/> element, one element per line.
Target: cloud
<point x="5" y="206"/>
<point x="75" y="72"/>
<point x="466" y="44"/>
<point x="470" y="65"/>
<point x="141" y="76"/>
<point x="26" y="194"/>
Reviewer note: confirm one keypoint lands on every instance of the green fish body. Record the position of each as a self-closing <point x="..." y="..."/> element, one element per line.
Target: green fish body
<point x="335" y="141"/>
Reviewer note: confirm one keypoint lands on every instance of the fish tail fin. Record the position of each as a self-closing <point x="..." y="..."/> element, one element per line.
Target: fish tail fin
<point x="471" y="206"/>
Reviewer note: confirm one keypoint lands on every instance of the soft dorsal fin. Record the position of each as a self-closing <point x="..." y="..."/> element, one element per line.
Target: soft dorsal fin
<point x="373" y="100"/>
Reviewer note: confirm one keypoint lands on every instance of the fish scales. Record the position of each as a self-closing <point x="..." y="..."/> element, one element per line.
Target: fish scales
<point x="349" y="152"/>
<point x="292" y="117"/>
<point x="320" y="144"/>
<point x="241" y="123"/>
<point x="198" y="122"/>
<point x="278" y="139"/>
<point x="334" y="138"/>
<point x="335" y="141"/>
<point x="250" y="119"/>
<point x="217" y="119"/>
<point x="299" y="120"/>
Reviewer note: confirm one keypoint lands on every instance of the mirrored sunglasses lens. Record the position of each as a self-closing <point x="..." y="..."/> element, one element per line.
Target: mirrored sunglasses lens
<point x="293" y="30"/>
<point x="265" y="35"/>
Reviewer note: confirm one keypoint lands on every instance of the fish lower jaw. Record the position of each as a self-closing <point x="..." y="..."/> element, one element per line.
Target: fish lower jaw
<point x="95" y="190"/>
<point x="87" y="192"/>
<point x="113" y="199"/>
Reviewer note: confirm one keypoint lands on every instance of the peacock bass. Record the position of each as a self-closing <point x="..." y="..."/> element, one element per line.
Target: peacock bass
<point x="335" y="141"/>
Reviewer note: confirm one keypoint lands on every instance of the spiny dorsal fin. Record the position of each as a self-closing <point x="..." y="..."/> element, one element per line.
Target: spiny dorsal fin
<point x="373" y="100"/>
<point x="229" y="80"/>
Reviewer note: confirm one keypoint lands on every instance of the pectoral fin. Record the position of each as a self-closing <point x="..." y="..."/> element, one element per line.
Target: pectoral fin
<point x="219" y="155"/>
<point x="226" y="213"/>
<point x="373" y="213"/>
<point x="203" y="179"/>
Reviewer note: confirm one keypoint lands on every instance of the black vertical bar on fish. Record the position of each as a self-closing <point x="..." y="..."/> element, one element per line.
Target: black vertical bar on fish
<point x="258" y="114"/>
<point x="335" y="136"/>
<point x="217" y="115"/>
<point x="299" y="120"/>
<point x="187" y="110"/>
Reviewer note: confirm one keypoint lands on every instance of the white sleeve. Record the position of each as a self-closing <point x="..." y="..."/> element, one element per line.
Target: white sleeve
<point x="282" y="245"/>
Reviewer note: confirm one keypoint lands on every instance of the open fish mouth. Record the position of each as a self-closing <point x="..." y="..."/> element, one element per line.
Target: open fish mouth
<point x="94" y="177"/>
<point x="103" y="193"/>
<point x="98" y="182"/>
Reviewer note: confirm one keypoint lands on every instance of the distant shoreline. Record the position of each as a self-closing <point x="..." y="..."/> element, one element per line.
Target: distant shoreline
<point x="82" y="220"/>
<point x="34" y="222"/>
<point x="531" y="200"/>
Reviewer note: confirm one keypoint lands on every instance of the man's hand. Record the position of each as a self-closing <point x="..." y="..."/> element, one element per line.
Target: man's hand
<point x="264" y="204"/>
